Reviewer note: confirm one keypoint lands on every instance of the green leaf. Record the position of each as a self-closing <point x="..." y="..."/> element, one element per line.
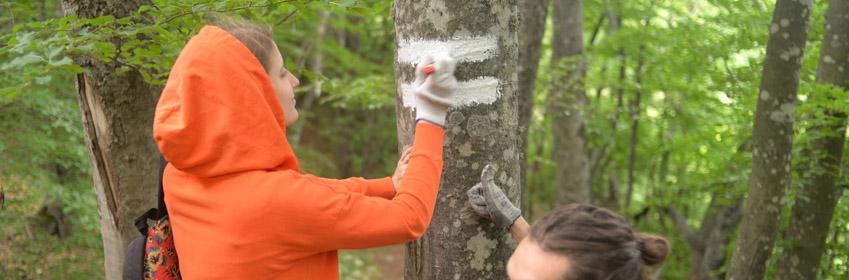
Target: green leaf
<point x="100" y="20"/>
<point x="22" y="60"/>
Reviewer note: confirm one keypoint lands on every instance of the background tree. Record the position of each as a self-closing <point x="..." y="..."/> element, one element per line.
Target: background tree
<point x="457" y="244"/>
<point x="117" y="112"/>
<point x="817" y="196"/>
<point x="532" y="15"/>
<point x="567" y="103"/>
<point x="772" y="140"/>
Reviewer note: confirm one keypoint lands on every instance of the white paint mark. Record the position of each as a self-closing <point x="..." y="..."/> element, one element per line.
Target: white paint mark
<point x="785" y="113"/>
<point x="462" y="49"/>
<point x="483" y="90"/>
<point x="795" y="51"/>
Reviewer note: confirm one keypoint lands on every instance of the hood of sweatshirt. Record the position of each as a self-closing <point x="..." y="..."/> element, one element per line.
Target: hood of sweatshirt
<point x="219" y="113"/>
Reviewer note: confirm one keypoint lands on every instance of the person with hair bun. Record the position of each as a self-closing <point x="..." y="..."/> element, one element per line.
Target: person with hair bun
<point x="575" y="241"/>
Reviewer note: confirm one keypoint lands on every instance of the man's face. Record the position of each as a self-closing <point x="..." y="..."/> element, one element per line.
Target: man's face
<point x="531" y="262"/>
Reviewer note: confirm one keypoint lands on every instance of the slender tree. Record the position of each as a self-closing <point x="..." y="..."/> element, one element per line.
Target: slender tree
<point x="816" y="199"/>
<point x="532" y="14"/>
<point x="772" y="139"/>
<point x="567" y="101"/>
<point x="457" y="245"/>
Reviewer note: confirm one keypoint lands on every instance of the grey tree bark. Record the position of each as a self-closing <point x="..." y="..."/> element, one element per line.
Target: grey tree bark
<point x="117" y="111"/>
<point x="532" y="15"/>
<point x="818" y="195"/>
<point x="567" y="101"/>
<point x="458" y="245"/>
<point x="772" y="139"/>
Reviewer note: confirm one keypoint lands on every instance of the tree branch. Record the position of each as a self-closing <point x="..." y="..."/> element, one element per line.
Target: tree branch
<point x="681" y="224"/>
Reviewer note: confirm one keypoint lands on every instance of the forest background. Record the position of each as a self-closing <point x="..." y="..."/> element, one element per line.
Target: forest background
<point x="666" y="92"/>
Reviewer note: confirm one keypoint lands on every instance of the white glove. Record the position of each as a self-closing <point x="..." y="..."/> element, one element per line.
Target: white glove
<point x="433" y="91"/>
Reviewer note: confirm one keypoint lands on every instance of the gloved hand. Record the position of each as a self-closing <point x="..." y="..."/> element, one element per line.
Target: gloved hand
<point x="488" y="201"/>
<point x="433" y="91"/>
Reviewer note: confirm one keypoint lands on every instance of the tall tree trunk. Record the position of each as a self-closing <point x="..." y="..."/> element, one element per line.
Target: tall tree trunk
<point x="117" y="112"/>
<point x="772" y="139"/>
<point x="567" y="101"/>
<point x="634" y="116"/>
<point x="532" y="14"/>
<point x="457" y="244"/>
<point x="816" y="199"/>
<point x="612" y="201"/>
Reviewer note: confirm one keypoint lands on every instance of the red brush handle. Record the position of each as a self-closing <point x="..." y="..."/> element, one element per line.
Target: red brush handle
<point x="428" y="69"/>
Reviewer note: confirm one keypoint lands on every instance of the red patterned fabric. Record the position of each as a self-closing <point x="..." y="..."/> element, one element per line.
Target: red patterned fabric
<point x="160" y="262"/>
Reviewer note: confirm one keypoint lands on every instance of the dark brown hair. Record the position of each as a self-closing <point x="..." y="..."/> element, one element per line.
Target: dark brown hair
<point x="598" y="243"/>
<point x="257" y="38"/>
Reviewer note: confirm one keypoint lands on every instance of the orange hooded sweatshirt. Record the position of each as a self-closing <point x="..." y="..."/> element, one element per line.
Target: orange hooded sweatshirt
<point x="239" y="206"/>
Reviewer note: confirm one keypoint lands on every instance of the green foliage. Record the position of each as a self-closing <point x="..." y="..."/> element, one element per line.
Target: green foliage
<point x="702" y="67"/>
<point x="42" y="147"/>
<point x="357" y="265"/>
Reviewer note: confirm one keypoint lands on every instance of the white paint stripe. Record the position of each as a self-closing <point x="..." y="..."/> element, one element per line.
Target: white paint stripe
<point x="483" y="90"/>
<point x="461" y="49"/>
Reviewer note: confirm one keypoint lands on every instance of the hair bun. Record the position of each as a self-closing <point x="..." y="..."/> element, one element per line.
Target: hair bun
<point x="653" y="249"/>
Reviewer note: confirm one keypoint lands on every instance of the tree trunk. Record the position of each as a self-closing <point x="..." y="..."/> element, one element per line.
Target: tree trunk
<point x="612" y="201"/>
<point x="816" y="199"/>
<point x="481" y="128"/>
<point x="772" y="139"/>
<point x="532" y="15"/>
<point x="567" y="101"/>
<point x="634" y="116"/>
<point x="117" y="112"/>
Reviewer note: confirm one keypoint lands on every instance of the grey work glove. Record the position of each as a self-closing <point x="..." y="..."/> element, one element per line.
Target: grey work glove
<point x="433" y="91"/>
<point x="488" y="201"/>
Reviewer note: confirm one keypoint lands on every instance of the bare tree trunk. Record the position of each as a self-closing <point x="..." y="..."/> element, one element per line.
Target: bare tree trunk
<point x="816" y="199"/>
<point x="117" y="112"/>
<point x="614" y="186"/>
<point x="634" y="116"/>
<point x="458" y="245"/>
<point x="772" y="139"/>
<point x="567" y="101"/>
<point x="532" y="14"/>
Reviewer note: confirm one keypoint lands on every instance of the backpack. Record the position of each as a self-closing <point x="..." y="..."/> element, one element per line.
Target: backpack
<point x="152" y="255"/>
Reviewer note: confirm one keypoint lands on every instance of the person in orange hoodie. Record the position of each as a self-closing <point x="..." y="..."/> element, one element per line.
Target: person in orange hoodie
<point x="239" y="206"/>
